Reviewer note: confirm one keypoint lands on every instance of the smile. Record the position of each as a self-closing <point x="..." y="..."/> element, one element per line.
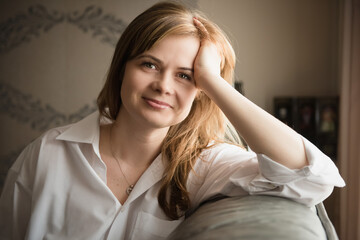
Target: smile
<point x="157" y="104"/>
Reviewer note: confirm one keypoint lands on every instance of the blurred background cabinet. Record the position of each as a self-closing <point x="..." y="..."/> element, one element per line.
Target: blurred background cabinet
<point x="316" y="118"/>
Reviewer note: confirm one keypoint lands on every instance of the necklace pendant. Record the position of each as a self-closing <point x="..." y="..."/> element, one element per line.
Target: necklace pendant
<point x="129" y="189"/>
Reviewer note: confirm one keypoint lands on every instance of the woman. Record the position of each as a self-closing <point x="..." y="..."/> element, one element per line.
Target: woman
<point x="158" y="146"/>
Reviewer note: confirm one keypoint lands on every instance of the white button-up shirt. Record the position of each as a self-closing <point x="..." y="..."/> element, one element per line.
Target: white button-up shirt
<point x="57" y="187"/>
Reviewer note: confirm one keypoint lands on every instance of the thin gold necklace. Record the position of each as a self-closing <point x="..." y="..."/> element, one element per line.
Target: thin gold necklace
<point x="130" y="186"/>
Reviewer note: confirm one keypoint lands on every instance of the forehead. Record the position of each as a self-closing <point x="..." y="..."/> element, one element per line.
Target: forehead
<point x="179" y="48"/>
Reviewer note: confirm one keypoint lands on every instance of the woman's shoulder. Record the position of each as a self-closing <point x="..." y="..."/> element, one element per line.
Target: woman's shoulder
<point x="49" y="136"/>
<point x="47" y="144"/>
<point x="46" y="137"/>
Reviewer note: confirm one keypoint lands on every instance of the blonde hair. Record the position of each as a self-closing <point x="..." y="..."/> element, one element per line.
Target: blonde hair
<point x="185" y="141"/>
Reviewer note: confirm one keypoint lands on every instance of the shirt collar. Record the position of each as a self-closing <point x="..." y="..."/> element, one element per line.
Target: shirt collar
<point x="84" y="131"/>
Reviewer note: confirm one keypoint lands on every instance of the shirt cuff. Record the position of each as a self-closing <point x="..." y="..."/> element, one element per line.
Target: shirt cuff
<point x="321" y="169"/>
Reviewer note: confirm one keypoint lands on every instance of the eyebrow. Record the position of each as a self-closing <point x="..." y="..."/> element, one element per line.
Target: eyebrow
<point x="161" y="62"/>
<point x="149" y="56"/>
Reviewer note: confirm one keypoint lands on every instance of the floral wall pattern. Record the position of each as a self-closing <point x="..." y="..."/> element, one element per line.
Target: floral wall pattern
<point x="53" y="60"/>
<point x="38" y="19"/>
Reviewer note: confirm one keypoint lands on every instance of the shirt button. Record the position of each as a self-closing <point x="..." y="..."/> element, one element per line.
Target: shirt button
<point x="122" y="209"/>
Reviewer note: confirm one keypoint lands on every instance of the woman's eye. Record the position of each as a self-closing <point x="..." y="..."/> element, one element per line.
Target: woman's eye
<point x="184" y="76"/>
<point x="149" y="65"/>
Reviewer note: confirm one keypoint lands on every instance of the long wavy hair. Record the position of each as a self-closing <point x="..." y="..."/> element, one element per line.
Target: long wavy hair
<point x="205" y="123"/>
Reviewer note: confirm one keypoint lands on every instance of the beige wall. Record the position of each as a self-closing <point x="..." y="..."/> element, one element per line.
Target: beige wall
<point x="284" y="47"/>
<point x="51" y="68"/>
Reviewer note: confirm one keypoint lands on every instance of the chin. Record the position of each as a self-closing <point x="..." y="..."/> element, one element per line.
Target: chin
<point x="163" y="120"/>
<point x="163" y="124"/>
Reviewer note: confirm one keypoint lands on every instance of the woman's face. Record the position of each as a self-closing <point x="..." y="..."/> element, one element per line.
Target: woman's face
<point x="158" y="87"/>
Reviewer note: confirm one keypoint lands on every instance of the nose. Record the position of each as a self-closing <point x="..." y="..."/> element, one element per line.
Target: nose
<point x="163" y="83"/>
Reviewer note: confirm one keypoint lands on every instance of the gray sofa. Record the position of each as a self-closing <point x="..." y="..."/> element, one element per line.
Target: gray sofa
<point x="255" y="218"/>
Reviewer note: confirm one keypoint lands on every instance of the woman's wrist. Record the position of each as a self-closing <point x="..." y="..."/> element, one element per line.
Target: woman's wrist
<point x="211" y="83"/>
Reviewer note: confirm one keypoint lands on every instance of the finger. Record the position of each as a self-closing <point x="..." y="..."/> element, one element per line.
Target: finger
<point x="203" y="31"/>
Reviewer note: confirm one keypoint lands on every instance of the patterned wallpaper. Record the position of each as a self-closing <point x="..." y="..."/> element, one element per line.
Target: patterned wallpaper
<point x="24" y="27"/>
<point x="43" y="50"/>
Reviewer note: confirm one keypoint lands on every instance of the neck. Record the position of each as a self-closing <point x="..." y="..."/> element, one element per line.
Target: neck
<point x="134" y="144"/>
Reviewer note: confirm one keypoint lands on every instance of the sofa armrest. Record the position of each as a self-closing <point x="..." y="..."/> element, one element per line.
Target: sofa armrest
<point x="252" y="217"/>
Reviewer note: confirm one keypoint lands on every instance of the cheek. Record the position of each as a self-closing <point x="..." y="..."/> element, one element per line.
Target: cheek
<point x="187" y="105"/>
<point x="188" y="99"/>
<point x="128" y="89"/>
<point x="124" y="90"/>
<point x="130" y="84"/>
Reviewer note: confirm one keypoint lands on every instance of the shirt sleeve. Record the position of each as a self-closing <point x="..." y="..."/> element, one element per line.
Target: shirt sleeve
<point x="15" y="200"/>
<point x="236" y="172"/>
<point x="309" y="185"/>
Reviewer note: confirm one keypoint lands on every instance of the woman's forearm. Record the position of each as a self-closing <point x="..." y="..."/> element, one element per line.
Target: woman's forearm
<point x="263" y="133"/>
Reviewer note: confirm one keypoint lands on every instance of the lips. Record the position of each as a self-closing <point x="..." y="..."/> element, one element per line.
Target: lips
<point x="157" y="104"/>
